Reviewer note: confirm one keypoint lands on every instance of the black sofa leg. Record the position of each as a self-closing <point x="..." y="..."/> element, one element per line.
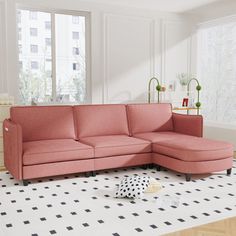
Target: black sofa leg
<point x="145" y="167"/>
<point x="188" y="177"/>
<point x="93" y="173"/>
<point x="229" y="172"/>
<point x="87" y="174"/>
<point x="25" y="182"/>
<point x="150" y="166"/>
<point x="158" y="168"/>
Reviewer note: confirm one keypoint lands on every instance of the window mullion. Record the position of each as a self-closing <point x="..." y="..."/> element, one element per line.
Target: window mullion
<point x="53" y="48"/>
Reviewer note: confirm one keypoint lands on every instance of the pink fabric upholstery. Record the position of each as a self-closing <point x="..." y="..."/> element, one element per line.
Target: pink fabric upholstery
<point x="44" y="122"/>
<point x="155" y="137"/>
<point x="47" y="151"/>
<point x="188" y="148"/>
<point x="98" y="120"/>
<point x="114" y="145"/>
<point x="39" y="141"/>
<point x="122" y="161"/>
<point x="149" y="118"/>
<point x="57" y="168"/>
<point x="188" y="124"/>
<point x="12" y="141"/>
<point x="197" y="167"/>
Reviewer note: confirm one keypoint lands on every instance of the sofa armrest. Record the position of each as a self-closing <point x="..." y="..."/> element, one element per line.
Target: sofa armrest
<point x="188" y="124"/>
<point x="12" y="141"/>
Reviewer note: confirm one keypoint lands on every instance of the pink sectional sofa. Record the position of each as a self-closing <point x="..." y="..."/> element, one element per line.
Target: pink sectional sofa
<point x="42" y="141"/>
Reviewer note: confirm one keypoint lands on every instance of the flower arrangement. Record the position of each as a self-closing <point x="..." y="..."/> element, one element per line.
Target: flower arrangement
<point x="184" y="78"/>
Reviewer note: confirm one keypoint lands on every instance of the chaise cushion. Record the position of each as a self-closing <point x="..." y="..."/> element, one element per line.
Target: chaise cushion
<point x="159" y="136"/>
<point x="44" y="122"/>
<point x="99" y="120"/>
<point x="189" y="148"/>
<point x="149" y="118"/>
<point x="49" y="151"/>
<point x="114" y="145"/>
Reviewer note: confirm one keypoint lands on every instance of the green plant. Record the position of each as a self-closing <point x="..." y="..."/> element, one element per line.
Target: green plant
<point x="184" y="78"/>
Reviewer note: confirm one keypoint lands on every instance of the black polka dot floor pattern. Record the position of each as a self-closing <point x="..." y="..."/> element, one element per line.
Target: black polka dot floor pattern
<point x="78" y="205"/>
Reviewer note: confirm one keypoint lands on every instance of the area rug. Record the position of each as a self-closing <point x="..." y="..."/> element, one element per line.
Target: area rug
<point x="77" y="205"/>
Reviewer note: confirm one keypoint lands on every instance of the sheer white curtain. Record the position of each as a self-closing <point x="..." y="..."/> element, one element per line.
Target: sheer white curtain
<point x="217" y="71"/>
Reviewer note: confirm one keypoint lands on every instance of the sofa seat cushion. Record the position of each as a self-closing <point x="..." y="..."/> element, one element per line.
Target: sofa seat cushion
<point x="189" y="148"/>
<point x="49" y="151"/>
<point x="159" y="136"/>
<point x="114" y="145"/>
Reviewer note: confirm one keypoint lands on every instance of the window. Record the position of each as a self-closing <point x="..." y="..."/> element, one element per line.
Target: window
<point x="75" y="66"/>
<point x="34" y="65"/>
<point x="33" y="15"/>
<point x="75" y="19"/>
<point x="47" y="25"/>
<point x="33" y="32"/>
<point x="75" y="35"/>
<point x="75" y="51"/>
<point x="19" y="34"/>
<point x="20" y="65"/>
<point x="18" y="17"/>
<point x="55" y="68"/>
<point x="217" y="71"/>
<point x="48" y="42"/>
<point x="34" y="48"/>
<point x="20" y="48"/>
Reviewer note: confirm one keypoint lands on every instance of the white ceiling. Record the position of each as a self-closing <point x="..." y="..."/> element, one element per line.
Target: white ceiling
<point x="177" y="6"/>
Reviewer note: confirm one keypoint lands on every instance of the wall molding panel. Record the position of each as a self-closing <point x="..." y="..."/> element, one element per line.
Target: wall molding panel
<point x="164" y="50"/>
<point x="129" y="57"/>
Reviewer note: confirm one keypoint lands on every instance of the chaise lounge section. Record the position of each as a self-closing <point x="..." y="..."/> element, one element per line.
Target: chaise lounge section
<point x="41" y="141"/>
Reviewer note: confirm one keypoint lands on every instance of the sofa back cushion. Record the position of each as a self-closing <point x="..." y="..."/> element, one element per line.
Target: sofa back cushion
<point x="99" y="120"/>
<point x="44" y="122"/>
<point x="149" y="117"/>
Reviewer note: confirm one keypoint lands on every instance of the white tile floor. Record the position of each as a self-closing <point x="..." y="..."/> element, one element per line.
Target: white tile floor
<point x="79" y="206"/>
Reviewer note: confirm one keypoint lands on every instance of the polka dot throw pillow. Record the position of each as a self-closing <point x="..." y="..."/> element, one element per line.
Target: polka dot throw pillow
<point x="132" y="187"/>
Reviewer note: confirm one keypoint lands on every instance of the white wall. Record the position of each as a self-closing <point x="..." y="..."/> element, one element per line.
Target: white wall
<point x="128" y="47"/>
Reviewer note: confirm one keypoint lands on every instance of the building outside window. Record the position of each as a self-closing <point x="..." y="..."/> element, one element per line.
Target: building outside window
<point x="75" y="19"/>
<point x="34" y="48"/>
<point x="48" y="25"/>
<point x="20" y="48"/>
<point x="60" y="47"/>
<point x="75" y="51"/>
<point x="75" y="66"/>
<point x="48" y="42"/>
<point x="33" y="15"/>
<point x="33" y="32"/>
<point x="34" y="65"/>
<point x="75" y="35"/>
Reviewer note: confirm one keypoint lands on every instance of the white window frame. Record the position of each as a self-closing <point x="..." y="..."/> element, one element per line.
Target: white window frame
<point x="53" y="12"/>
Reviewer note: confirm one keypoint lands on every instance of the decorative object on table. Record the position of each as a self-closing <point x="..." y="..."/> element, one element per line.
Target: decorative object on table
<point x="184" y="78"/>
<point x="136" y="186"/>
<point x="198" y="88"/>
<point x="185" y="102"/>
<point x="158" y="88"/>
<point x="171" y="86"/>
<point x="163" y="89"/>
